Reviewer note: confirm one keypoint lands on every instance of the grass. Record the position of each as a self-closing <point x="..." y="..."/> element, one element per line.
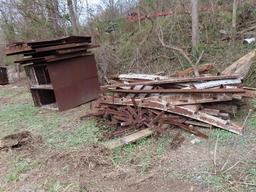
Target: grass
<point x="137" y="154"/>
<point x="141" y="154"/>
<point x="16" y="117"/>
<point x="19" y="117"/>
<point x="217" y="181"/>
<point x="57" y="186"/>
<point x="84" y="133"/>
<point x="18" y="113"/>
<point x="223" y="135"/>
<point x="252" y="172"/>
<point x="21" y="166"/>
<point x="24" y="116"/>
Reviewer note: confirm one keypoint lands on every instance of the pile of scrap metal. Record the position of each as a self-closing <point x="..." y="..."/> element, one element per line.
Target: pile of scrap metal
<point x="61" y="72"/>
<point x="50" y="50"/>
<point x="148" y="101"/>
<point x="3" y="76"/>
<point x="156" y="103"/>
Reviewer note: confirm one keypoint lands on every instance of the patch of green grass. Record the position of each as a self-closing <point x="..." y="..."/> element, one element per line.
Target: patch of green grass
<point x="15" y="93"/>
<point x="6" y="92"/>
<point x="253" y="103"/>
<point x="139" y="154"/>
<point x="223" y="135"/>
<point x="215" y="181"/>
<point x="85" y="133"/>
<point x="56" y="187"/>
<point x="252" y="161"/>
<point x="145" y="163"/>
<point x="130" y="152"/>
<point x="228" y="138"/>
<point x="252" y="172"/>
<point x="252" y="122"/>
<point x="122" y="155"/>
<point x="12" y="177"/>
<point x="162" y="145"/>
<point x="22" y="166"/>
<point x="16" y="117"/>
<point x="9" y="60"/>
<point x="11" y="92"/>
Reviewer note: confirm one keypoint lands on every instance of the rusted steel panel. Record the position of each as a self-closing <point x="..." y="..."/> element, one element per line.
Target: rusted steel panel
<point x="188" y="128"/>
<point x="3" y="76"/>
<point x="74" y="81"/>
<point x="60" y="71"/>
<point x="30" y="60"/>
<point x="28" y="47"/>
<point x="61" y="47"/>
<point x="54" y="58"/>
<point x="59" y="41"/>
<point x="18" y="48"/>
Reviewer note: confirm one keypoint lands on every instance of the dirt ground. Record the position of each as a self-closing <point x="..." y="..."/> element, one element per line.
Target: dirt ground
<point x="70" y="157"/>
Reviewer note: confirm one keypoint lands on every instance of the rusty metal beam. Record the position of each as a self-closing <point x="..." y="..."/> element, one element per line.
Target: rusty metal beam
<point x="60" y="47"/>
<point x="183" y="111"/>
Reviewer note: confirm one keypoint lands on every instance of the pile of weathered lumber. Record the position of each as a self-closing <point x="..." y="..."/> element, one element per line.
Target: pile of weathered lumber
<point x="152" y="103"/>
<point x="138" y="101"/>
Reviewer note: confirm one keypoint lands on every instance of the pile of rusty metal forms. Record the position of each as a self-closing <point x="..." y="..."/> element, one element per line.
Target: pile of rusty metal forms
<point x="137" y="101"/>
<point x="3" y="76"/>
<point x="61" y="72"/>
<point x="50" y="50"/>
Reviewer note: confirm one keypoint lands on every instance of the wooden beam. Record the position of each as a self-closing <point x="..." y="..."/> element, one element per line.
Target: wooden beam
<point x="128" y="139"/>
<point x="232" y="90"/>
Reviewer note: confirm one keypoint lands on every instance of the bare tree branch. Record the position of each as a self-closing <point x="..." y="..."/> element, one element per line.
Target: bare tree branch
<point x="175" y="48"/>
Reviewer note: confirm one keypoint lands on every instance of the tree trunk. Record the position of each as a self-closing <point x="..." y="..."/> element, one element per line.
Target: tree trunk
<point x="235" y="4"/>
<point x="52" y="14"/>
<point x="195" y="25"/>
<point x="73" y="18"/>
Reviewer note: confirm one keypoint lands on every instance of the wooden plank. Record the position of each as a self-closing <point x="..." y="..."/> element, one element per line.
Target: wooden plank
<point x="176" y="80"/>
<point x="172" y="99"/>
<point x="141" y="77"/>
<point x="45" y="87"/>
<point x="249" y="93"/>
<point x="198" y="124"/>
<point x="214" y="112"/>
<point x="222" y="90"/>
<point x="128" y="139"/>
<point x="242" y="65"/>
<point x="211" y="84"/>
